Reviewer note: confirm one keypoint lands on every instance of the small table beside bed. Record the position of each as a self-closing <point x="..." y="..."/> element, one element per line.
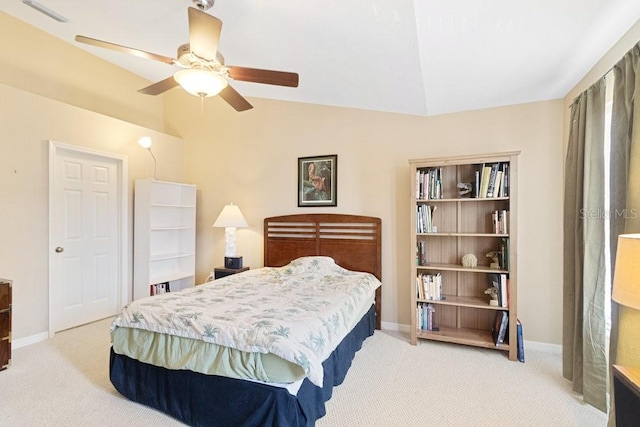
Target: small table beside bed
<point x="262" y="347"/>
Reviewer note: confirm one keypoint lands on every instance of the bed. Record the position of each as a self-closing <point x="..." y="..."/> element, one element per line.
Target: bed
<point x="292" y="392"/>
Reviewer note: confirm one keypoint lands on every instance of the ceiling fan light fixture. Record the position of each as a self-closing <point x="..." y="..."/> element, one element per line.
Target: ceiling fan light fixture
<point x="202" y="83"/>
<point x="203" y="4"/>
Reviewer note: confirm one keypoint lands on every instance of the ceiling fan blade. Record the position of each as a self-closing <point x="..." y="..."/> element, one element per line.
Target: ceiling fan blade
<point x="131" y="51"/>
<point x="204" y="33"/>
<point x="269" y="77"/>
<point x="160" y="87"/>
<point x="234" y="99"/>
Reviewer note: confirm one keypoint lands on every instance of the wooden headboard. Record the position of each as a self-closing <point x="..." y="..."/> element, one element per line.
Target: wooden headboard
<point x="353" y="241"/>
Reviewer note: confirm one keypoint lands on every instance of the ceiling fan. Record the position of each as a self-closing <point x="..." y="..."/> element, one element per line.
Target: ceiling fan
<point x="204" y="72"/>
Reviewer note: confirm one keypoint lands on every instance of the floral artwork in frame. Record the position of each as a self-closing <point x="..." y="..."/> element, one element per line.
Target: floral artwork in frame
<point x="318" y="181"/>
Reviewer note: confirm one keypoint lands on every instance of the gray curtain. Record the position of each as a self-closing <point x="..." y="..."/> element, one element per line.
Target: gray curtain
<point x="584" y="321"/>
<point x="585" y="358"/>
<point x="625" y="170"/>
<point x="625" y="154"/>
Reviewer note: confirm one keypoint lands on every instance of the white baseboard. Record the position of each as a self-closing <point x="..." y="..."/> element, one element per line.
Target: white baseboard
<point x="544" y="347"/>
<point x="23" y="342"/>
<point x="389" y="326"/>
<point x="533" y="345"/>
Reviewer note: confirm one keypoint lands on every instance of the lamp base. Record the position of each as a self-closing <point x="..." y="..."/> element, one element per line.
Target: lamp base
<point x="233" y="262"/>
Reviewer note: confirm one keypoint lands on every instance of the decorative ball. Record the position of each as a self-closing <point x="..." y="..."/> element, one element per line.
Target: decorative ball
<point x="469" y="261"/>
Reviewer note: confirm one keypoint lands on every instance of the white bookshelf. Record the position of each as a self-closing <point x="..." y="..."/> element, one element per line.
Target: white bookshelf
<point x="164" y="235"/>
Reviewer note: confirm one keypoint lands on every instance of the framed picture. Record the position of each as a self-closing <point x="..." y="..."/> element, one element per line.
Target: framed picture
<point x="318" y="181"/>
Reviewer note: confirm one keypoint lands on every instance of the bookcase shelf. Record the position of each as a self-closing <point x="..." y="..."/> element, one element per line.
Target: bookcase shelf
<point x="460" y="301"/>
<point x="459" y="267"/>
<point x="444" y="228"/>
<point x="462" y="200"/>
<point x="466" y="336"/>
<point x="455" y="234"/>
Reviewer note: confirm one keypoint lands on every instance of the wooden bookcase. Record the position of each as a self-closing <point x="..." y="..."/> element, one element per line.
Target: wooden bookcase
<point x="462" y="225"/>
<point x="164" y="236"/>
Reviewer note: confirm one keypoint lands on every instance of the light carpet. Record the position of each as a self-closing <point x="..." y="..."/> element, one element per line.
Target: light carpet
<point x="65" y="382"/>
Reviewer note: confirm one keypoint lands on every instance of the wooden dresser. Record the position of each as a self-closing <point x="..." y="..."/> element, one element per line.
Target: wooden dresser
<point x="5" y="323"/>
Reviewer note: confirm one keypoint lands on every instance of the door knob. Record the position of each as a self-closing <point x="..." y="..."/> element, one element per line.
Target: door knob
<point x="59" y="249"/>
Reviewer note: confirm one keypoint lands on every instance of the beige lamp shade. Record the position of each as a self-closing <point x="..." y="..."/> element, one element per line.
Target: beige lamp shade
<point x="626" y="278"/>
<point x="230" y="218"/>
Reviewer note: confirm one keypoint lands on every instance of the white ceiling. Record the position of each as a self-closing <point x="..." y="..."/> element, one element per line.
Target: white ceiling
<point x="422" y="57"/>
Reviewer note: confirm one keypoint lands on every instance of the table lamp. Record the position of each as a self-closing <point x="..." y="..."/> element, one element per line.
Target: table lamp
<point x="626" y="291"/>
<point x="626" y="279"/>
<point x="231" y="218"/>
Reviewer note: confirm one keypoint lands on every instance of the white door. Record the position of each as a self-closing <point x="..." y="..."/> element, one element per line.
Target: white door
<point x="85" y="198"/>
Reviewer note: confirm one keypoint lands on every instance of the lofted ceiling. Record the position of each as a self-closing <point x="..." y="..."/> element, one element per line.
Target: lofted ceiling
<point x="420" y="57"/>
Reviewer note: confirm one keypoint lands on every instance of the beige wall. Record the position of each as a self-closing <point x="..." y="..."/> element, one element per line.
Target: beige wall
<point x="36" y="62"/>
<point x="27" y="122"/>
<point x="49" y="90"/>
<point x="250" y="159"/>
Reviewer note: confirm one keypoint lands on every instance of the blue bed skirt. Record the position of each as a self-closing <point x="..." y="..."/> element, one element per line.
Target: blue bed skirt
<point x="210" y="400"/>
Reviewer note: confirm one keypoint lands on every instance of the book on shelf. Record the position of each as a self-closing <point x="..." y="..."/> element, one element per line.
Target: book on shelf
<point x="159" y="288"/>
<point x="499" y="220"/>
<point x="520" y="338"/>
<point x="502" y="180"/>
<point x="500" y="282"/>
<point x="421" y="253"/>
<point x="497" y="191"/>
<point x="503" y="219"/>
<point x="484" y="180"/>
<point x="429" y="184"/>
<point x="499" y="330"/>
<point x="505" y="180"/>
<point x="504" y="248"/>
<point x="424" y="218"/>
<point x="425" y="314"/>
<point x="476" y="184"/>
<point x="491" y="186"/>
<point x="492" y="180"/>
<point x="495" y="282"/>
<point x="504" y="289"/>
<point x="429" y="287"/>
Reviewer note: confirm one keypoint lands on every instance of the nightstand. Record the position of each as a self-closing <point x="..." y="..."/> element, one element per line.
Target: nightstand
<point x="221" y="272"/>
<point x="626" y="392"/>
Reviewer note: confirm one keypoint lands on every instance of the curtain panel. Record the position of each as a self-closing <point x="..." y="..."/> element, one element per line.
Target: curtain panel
<point x="625" y="197"/>
<point x="586" y="355"/>
<point x="625" y="191"/>
<point x="625" y="140"/>
<point x="585" y="339"/>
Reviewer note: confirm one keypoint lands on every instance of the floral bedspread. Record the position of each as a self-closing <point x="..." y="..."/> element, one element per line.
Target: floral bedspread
<point x="299" y="312"/>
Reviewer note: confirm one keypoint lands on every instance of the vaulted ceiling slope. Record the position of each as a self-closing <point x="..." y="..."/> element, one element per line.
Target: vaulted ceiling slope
<point x="420" y="57"/>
